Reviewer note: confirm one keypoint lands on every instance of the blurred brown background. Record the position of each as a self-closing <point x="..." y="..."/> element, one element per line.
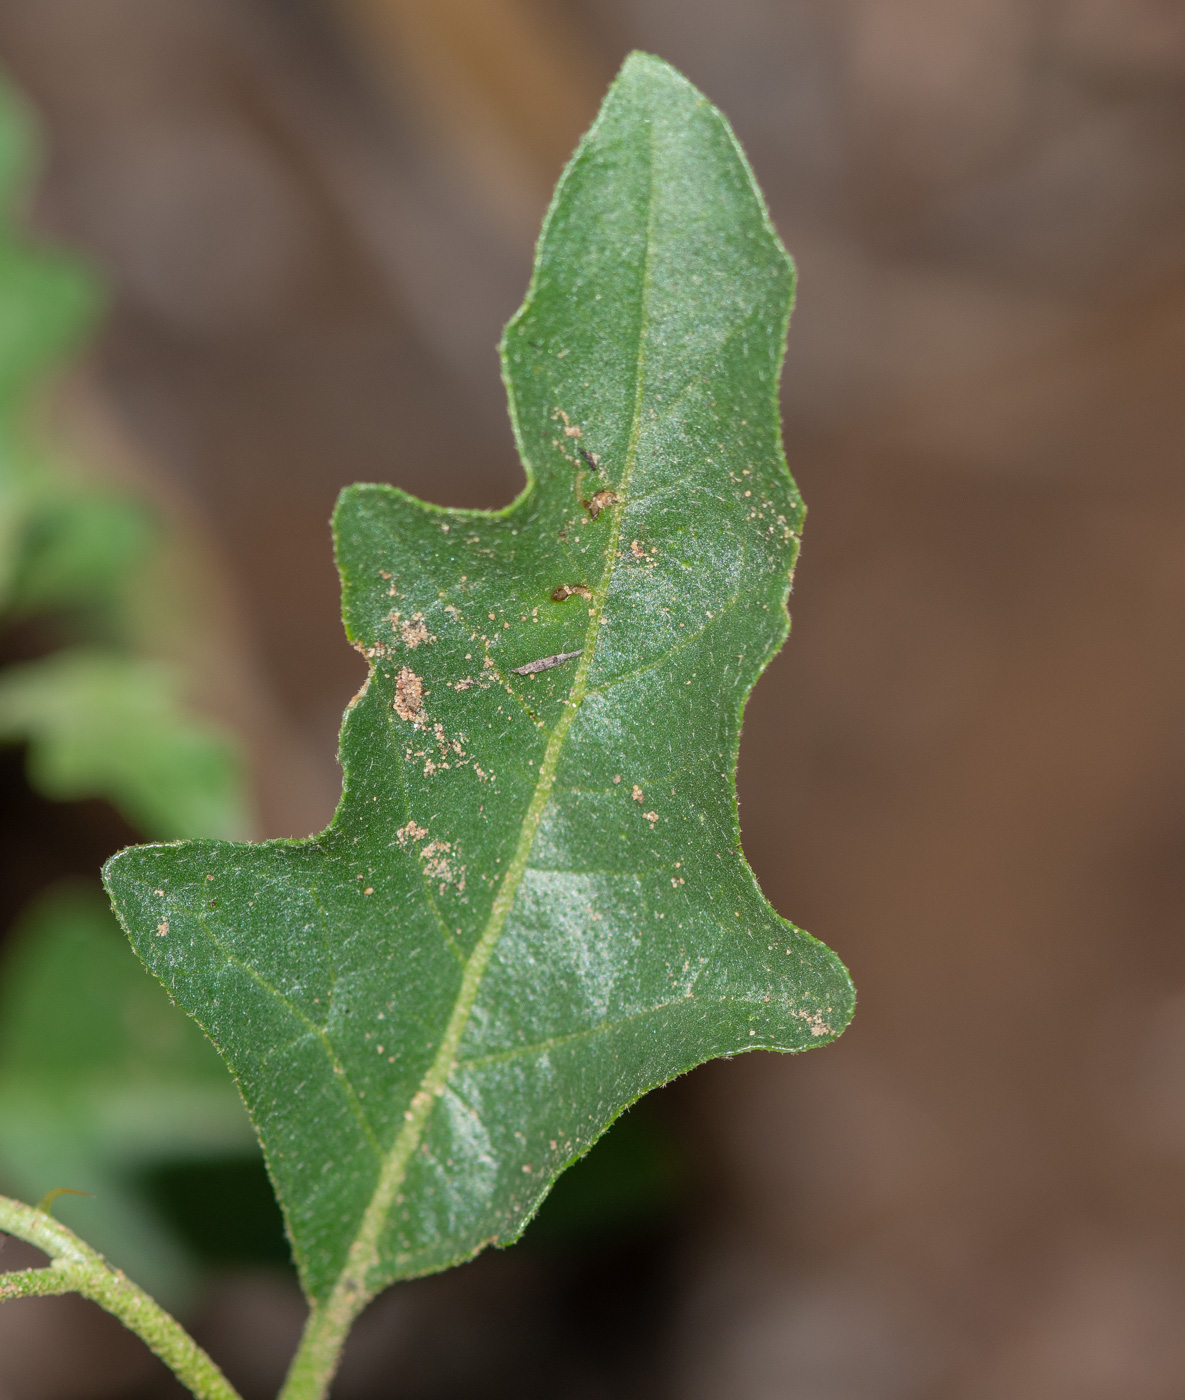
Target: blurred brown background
<point x="966" y="771"/>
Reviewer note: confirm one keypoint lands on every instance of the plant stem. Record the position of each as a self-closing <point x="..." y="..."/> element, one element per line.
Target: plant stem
<point x="77" y="1268"/>
<point x="316" y="1360"/>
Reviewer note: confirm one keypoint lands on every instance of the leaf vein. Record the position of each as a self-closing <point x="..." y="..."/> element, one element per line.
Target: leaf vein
<point x="354" y="1283"/>
<point x="322" y="1035"/>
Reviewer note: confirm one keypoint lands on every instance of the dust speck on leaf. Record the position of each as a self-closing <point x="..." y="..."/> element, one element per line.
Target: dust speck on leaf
<point x="566" y="590"/>
<point x="411" y="832"/>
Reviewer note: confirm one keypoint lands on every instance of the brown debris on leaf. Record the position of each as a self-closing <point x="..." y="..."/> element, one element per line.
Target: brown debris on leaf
<point x="565" y="590"/>
<point x="816" y="1022"/>
<point x="600" y="501"/>
<point x="409" y="697"/>
<point x="412" y="631"/>
<point x="437" y="859"/>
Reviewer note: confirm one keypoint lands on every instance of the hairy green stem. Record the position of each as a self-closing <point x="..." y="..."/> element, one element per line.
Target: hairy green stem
<point x="77" y="1268"/>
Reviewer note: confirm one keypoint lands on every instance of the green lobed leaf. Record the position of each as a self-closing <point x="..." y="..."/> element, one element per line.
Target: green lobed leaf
<point x="531" y="905"/>
<point x="100" y="1079"/>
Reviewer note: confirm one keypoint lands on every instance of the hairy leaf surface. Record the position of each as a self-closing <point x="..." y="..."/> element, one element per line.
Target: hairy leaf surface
<point x="531" y="906"/>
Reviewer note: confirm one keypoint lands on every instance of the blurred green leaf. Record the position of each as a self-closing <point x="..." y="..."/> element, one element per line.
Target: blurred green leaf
<point x="78" y="549"/>
<point x="103" y="1083"/>
<point x="17" y="146"/>
<point x="49" y="302"/>
<point x="103" y="725"/>
<point x="223" y="1210"/>
<point x="102" y="1078"/>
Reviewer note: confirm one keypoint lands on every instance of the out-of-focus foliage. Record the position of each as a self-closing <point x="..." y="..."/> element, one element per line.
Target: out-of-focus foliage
<point x="101" y="1078"/>
<point x="59" y="542"/>
<point x="99" y="724"/>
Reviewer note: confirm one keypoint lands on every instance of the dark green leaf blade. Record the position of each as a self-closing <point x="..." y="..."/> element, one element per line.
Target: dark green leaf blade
<point x="531" y="906"/>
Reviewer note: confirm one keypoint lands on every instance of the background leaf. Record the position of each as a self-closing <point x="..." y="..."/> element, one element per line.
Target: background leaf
<point x="104" y="725"/>
<point x="79" y="548"/>
<point x="531" y="906"/>
<point x="104" y="1085"/>
<point x="101" y="1079"/>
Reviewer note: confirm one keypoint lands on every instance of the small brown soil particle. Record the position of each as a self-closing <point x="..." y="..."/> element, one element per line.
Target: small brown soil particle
<point x="566" y="590"/>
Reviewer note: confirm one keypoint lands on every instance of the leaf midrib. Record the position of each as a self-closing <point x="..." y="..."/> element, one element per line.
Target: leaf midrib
<point x="353" y="1289"/>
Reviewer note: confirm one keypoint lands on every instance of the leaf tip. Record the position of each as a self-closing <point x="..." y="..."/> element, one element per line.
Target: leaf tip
<point x="640" y="65"/>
